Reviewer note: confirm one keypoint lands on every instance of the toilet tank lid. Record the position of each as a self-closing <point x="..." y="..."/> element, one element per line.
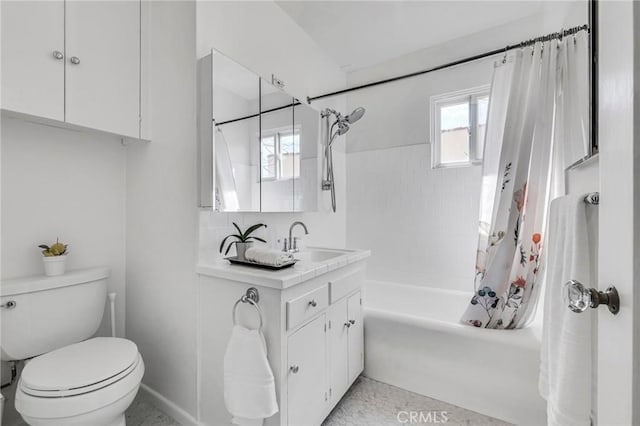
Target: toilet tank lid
<point x="15" y="286"/>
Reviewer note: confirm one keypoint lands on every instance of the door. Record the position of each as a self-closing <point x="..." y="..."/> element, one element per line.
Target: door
<point x="33" y="58"/>
<point x="356" y="336"/>
<point x="338" y="349"/>
<point x="307" y="365"/>
<point x="619" y="233"/>
<point x="103" y="65"/>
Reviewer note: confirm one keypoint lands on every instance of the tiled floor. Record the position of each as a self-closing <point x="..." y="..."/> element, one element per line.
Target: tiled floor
<point x="367" y="403"/>
<point x="143" y="413"/>
<point x="372" y="403"/>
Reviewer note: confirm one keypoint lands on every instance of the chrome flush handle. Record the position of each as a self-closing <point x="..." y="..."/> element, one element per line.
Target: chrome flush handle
<point x="9" y="305"/>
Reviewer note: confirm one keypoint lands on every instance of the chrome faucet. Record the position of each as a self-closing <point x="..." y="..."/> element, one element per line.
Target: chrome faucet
<point x="293" y="242"/>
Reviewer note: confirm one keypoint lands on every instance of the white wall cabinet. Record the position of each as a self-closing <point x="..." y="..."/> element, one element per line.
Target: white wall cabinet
<point x="103" y="81"/>
<point x="313" y="330"/>
<point x="75" y="62"/>
<point x="33" y="58"/>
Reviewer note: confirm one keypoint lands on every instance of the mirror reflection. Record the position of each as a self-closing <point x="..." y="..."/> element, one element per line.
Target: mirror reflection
<point x="236" y="107"/>
<point x="261" y="152"/>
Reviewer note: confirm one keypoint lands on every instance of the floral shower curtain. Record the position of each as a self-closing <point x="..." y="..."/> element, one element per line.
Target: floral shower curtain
<point x="536" y="124"/>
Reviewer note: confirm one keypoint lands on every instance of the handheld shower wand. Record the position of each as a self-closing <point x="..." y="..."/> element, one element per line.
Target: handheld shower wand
<point x="342" y="123"/>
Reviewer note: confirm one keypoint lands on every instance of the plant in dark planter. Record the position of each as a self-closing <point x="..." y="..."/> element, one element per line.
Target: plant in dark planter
<point x="243" y="240"/>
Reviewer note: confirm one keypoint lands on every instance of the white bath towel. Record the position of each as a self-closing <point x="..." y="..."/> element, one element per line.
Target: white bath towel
<point x="267" y="256"/>
<point x="249" y="386"/>
<point x="566" y="370"/>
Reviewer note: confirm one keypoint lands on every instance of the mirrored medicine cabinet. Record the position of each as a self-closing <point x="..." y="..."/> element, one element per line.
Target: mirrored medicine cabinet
<point x="258" y="145"/>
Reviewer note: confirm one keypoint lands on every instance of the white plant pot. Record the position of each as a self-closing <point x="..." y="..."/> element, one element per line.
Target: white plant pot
<point x="54" y="265"/>
<point x="241" y="248"/>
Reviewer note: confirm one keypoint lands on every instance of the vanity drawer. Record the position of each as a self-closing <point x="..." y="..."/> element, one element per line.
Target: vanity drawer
<point x="306" y="306"/>
<point x="341" y="286"/>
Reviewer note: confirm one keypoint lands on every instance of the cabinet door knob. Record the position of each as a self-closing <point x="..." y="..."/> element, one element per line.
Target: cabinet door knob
<point x="352" y="321"/>
<point x="294" y="369"/>
<point x="347" y="324"/>
<point x="75" y="60"/>
<point x="58" y="54"/>
<point x="313" y="303"/>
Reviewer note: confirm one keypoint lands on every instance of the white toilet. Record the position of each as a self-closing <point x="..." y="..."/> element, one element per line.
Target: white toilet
<point x="71" y="381"/>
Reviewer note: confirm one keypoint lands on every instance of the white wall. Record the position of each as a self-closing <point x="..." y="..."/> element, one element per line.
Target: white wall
<point x="66" y="184"/>
<point x="161" y="212"/>
<point x="419" y="222"/>
<point x="261" y="37"/>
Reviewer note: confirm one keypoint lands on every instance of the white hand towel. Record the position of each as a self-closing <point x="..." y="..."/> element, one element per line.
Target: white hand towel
<point x="267" y="256"/>
<point x="249" y="386"/>
<point x="566" y="370"/>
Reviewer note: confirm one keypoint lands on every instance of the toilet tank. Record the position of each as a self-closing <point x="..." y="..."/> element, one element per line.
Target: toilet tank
<point x="48" y="313"/>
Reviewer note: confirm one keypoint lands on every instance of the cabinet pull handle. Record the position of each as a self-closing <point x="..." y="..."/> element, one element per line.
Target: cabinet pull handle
<point x="294" y="369"/>
<point x="352" y="321"/>
<point x="58" y="54"/>
<point x="313" y="303"/>
<point x="75" y="60"/>
<point x="347" y="324"/>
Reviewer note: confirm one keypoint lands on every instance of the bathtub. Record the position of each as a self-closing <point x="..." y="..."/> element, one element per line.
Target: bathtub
<point x="413" y="340"/>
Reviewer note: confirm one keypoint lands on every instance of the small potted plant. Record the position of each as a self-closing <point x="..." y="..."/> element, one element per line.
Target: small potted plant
<point x="243" y="240"/>
<point x="54" y="258"/>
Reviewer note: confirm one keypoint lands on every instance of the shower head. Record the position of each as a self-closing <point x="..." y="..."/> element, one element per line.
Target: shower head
<point x="355" y="115"/>
<point x="342" y="128"/>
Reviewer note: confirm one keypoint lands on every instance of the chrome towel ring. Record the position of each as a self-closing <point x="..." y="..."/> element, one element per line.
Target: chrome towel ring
<point x="252" y="297"/>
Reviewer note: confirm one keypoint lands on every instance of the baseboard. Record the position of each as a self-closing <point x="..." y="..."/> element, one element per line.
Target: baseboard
<point x="178" y="414"/>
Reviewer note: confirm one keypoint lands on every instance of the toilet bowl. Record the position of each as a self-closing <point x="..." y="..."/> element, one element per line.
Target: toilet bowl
<point x="90" y="383"/>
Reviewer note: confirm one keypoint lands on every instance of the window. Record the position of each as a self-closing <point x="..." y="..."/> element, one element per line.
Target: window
<point x="280" y="155"/>
<point x="458" y="125"/>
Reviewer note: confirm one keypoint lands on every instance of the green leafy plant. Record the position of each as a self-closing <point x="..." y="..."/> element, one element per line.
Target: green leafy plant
<point x="56" y="249"/>
<point x="241" y="237"/>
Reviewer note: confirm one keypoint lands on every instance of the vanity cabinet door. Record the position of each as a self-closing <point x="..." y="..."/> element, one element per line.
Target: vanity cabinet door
<point x="338" y="349"/>
<point x="307" y="366"/>
<point x="103" y="66"/>
<point x="33" y="58"/>
<point x="356" y="336"/>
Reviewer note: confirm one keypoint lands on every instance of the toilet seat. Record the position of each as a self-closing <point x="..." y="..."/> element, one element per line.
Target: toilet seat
<point x="80" y="368"/>
<point x="82" y="391"/>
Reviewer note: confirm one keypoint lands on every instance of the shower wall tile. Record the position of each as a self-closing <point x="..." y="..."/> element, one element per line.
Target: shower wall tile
<point x="420" y="223"/>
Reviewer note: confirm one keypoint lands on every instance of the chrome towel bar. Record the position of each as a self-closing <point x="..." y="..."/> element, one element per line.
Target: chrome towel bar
<point x="252" y="297"/>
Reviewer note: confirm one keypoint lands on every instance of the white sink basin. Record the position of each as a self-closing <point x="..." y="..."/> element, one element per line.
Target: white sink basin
<point x="320" y="255"/>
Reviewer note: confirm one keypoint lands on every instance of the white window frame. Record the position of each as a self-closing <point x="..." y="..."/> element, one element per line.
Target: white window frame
<point x="437" y="102"/>
<point x="277" y="133"/>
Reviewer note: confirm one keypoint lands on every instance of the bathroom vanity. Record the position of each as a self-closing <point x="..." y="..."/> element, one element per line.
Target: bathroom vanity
<point x="313" y="328"/>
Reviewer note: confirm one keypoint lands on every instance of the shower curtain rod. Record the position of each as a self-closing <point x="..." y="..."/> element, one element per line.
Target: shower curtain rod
<point x="504" y="50"/>
<point x="296" y="103"/>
